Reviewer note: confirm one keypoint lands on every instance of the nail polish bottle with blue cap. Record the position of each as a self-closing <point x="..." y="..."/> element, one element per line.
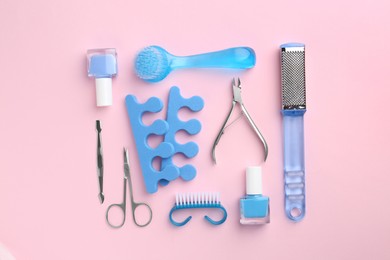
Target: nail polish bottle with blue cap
<point x="102" y="65"/>
<point x="254" y="206"/>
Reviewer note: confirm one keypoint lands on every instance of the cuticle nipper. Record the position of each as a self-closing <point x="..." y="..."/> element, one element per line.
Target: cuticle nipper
<point x="238" y="99"/>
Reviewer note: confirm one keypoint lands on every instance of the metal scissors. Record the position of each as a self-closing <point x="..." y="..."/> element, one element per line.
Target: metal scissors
<point x="134" y="205"/>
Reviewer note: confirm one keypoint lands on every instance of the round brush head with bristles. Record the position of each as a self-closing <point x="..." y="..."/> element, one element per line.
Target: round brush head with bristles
<point x="152" y="64"/>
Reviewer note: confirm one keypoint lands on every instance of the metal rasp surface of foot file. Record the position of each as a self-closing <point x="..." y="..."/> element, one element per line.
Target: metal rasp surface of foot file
<point x="293" y="108"/>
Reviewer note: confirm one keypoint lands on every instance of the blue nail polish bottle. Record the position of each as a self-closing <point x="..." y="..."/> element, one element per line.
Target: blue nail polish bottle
<point x="254" y="206"/>
<point x="102" y="65"/>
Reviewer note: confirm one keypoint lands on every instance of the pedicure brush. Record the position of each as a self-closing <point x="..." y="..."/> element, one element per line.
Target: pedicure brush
<point x="154" y="63"/>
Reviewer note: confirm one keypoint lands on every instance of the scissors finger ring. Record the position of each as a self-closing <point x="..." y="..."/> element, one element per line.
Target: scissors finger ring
<point x="123" y="209"/>
<point x="142" y="205"/>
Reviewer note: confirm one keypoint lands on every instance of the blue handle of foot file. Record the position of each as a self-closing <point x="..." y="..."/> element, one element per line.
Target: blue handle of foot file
<point x="294" y="164"/>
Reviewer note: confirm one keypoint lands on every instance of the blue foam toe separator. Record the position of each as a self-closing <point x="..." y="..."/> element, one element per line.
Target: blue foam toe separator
<point x="146" y="154"/>
<point x="192" y="127"/>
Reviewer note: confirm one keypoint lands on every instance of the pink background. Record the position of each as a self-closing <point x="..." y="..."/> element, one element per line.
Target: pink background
<point x="48" y="186"/>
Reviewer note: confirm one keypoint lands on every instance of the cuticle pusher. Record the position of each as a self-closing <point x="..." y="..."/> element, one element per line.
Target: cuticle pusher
<point x="100" y="161"/>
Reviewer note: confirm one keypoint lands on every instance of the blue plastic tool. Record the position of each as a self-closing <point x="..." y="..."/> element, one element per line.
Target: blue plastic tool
<point x="146" y="154"/>
<point x="154" y="63"/>
<point x="198" y="200"/>
<point x="192" y="127"/>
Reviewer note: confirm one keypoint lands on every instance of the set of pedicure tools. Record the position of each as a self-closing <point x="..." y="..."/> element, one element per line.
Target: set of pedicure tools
<point x="126" y="182"/>
<point x="153" y="64"/>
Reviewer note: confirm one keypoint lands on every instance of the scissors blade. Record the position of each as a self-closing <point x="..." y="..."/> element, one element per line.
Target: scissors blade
<point x="126" y="165"/>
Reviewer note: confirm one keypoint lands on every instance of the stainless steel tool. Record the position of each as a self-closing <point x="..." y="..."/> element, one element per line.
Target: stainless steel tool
<point x="100" y="168"/>
<point x="134" y="205"/>
<point x="238" y="99"/>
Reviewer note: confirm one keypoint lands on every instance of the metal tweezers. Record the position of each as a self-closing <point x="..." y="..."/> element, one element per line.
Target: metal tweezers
<point x="237" y="99"/>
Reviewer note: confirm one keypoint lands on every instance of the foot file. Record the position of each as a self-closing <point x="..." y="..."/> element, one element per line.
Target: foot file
<point x="293" y="109"/>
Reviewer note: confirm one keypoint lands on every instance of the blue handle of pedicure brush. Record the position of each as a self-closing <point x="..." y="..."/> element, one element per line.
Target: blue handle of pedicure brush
<point x="233" y="58"/>
<point x="294" y="164"/>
